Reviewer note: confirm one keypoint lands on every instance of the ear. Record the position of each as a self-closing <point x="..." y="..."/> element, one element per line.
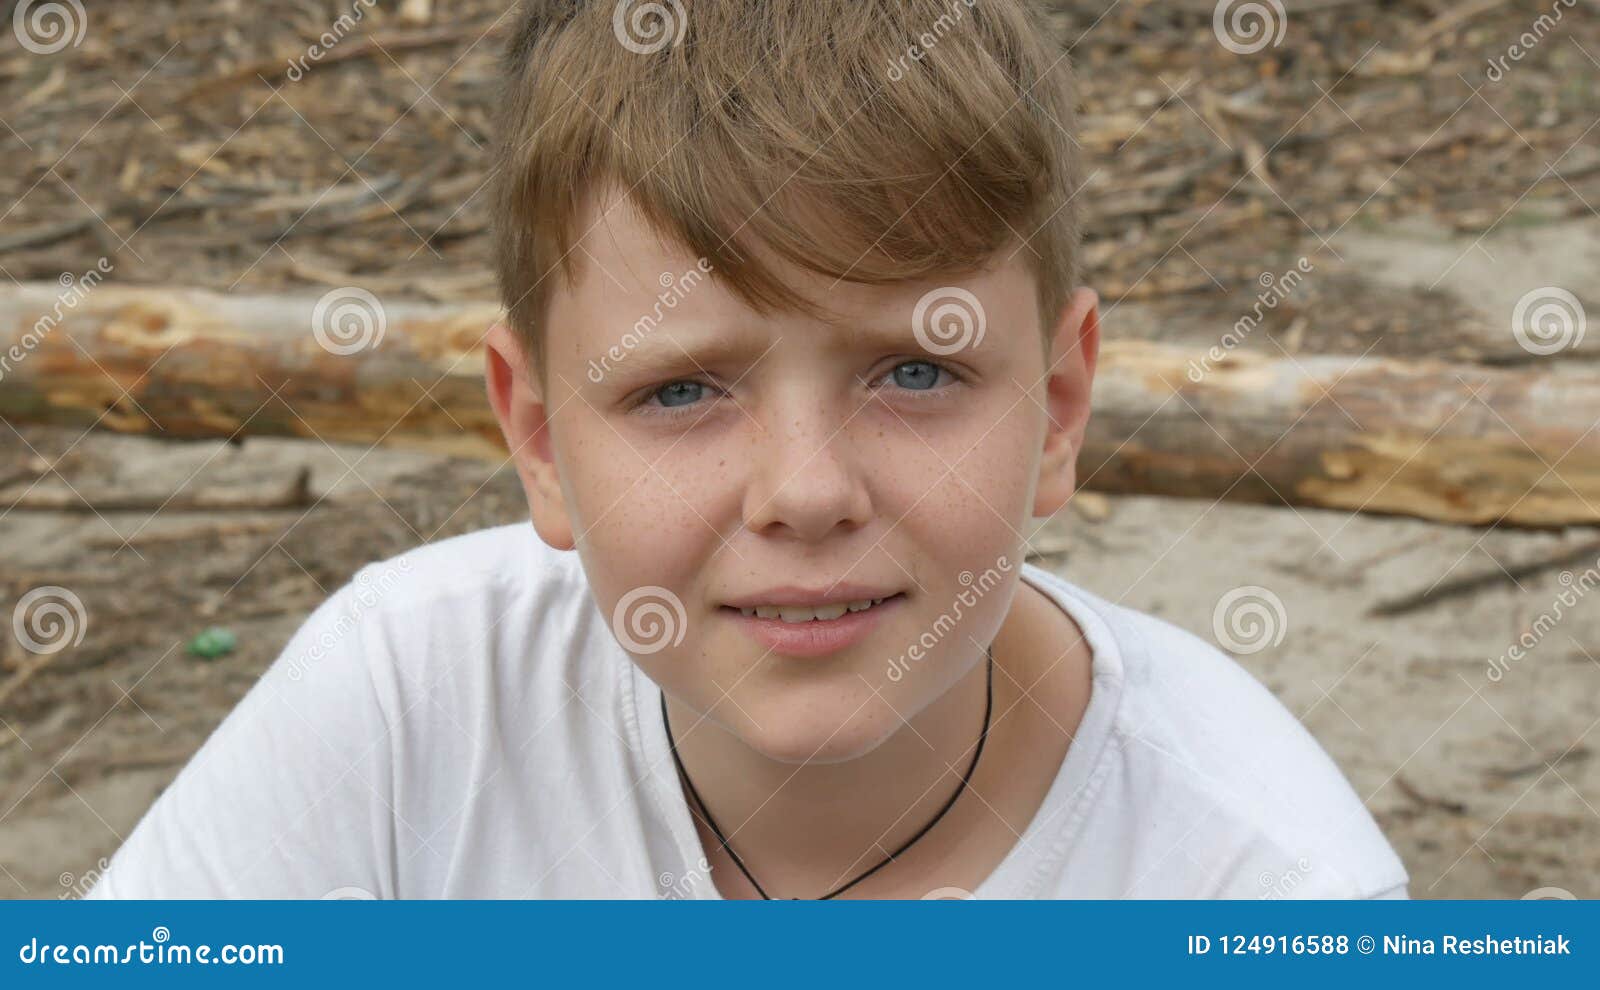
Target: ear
<point x="520" y="407"/>
<point x="1073" y="352"/>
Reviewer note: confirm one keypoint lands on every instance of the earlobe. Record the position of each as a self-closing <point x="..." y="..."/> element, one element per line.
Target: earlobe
<point x="520" y="411"/>
<point x="1075" y="350"/>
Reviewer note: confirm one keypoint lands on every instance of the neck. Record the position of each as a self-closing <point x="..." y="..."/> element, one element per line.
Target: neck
<point x="806" y="829"/>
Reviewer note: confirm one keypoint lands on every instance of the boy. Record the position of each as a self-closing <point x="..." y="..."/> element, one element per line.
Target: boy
<point x="792" y="358"/>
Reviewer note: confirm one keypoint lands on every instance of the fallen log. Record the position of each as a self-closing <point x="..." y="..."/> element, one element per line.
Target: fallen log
<point x="1448" y="442"/>
<point x="1458" y="443"/>
<point x="189" y="363"/>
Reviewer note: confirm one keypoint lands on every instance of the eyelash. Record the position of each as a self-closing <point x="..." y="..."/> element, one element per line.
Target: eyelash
<point x="678" y="412"/>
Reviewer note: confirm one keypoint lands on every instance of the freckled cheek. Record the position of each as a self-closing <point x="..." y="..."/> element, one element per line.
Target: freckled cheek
<point x="645" y="510"/>
<point x="974" y="477"/>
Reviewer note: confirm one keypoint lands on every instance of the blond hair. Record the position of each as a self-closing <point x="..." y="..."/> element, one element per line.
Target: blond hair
<point x="873" y="141"/>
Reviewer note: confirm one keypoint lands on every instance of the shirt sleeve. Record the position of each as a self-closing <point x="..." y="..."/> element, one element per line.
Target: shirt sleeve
<point x="291" y="796"/>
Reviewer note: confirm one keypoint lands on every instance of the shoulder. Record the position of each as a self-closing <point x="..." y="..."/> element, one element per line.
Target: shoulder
<point x="493" y="593"/>
<point x="1226" y="770"/>
<point x="492" y="568"/>
<point x="502" y="560"/>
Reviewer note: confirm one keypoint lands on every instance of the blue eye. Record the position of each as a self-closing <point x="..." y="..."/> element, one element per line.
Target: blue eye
<point x="917" y="376"/>
<point x="679" y="393"/>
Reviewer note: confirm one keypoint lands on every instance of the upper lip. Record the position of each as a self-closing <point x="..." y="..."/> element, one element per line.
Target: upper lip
<point x="837" y="594"/>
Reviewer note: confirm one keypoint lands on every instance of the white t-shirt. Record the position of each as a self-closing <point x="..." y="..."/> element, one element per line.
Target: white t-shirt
<point x="460" y="722"/>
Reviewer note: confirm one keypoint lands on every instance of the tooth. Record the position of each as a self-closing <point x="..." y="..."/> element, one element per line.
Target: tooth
<point x="861" y="606"/>
<point x="767" y="611"/>
<point x="792" y="614"/>
<point x="827" y="612"/>
<point x="748" y="612"/>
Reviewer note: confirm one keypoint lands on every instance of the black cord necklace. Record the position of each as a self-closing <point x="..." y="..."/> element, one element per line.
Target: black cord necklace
<point x="705" y="813"/>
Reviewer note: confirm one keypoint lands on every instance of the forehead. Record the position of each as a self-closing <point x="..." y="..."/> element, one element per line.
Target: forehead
<point x="627" y="270"/>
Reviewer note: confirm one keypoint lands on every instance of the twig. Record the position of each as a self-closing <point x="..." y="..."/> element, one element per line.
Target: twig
<point x="275" y="69"/>
<point x="1419" y="600"/>
<point x="1450" y="20"/>
<point x="295" y="495"/>
<point x="211" y="530"/>
<point x="1571" y="755"/>
<point x="1410" y="791"/>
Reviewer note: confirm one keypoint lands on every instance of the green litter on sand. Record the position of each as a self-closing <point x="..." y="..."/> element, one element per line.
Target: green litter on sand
<point x="214" y="642"/>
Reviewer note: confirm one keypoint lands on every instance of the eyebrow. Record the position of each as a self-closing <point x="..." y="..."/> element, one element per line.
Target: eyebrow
<point x="670" y="355"/>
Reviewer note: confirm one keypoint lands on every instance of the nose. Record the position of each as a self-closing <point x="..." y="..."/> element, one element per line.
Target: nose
<point x="806" y="480"/>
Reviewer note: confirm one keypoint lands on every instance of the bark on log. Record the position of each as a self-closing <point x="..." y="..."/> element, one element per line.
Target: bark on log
<point x="1457" y="443"/>
<point x="188" y="363"/>
<point x="1448" y="442"/>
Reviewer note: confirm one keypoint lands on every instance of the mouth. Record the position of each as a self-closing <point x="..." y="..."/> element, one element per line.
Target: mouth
<point x="813" y="630"/>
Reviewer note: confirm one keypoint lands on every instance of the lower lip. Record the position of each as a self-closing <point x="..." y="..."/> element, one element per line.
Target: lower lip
<point x="816" y="638"/>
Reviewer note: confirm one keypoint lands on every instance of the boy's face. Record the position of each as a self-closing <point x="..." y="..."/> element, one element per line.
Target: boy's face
<point x="698" y="455"/>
